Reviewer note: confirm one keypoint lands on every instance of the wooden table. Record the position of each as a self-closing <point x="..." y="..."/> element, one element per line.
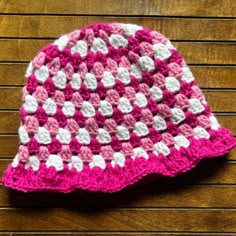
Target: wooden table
<point x="201" y="202"/>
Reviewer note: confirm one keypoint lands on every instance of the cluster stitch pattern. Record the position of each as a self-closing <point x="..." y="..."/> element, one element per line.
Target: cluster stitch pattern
<point x="107" y="105"/>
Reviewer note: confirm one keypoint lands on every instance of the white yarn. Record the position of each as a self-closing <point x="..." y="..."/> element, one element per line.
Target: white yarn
<point x="181" y="141"/>
<point x="146" y="63"/>
<point x="130" y="29"/>
<point x="41" y="74"/>
<point x="64" y="136"/>
<point x="62" y="42"/>
<point x="161" y="148"/>
<point x="177" y="116"/>
<point x="141" y="129"/>
<point x="90" y="81"/>
<point x="43" y="136"/>
<point x="122" y="133"/>
<point x="169" y="44"/>
<point x="87" y="109"/>
<point x="68" y="109"/>
<point x="123" y="75"/>
<point x="106" y="108"/>
<point x="80" y="47"/>
<point x="139" y="152"/>
<point x="124" y="105"/>
<point x="76" y="81"/>
<point x="136" y="71"/>
<point x="161" y="51"/>
<point x="156" y="93"/>
<point x="76" y="163"/>
<point x="103" y="136"/>
<point x="83" y="136"/>
<point x="200" y="132"/>
<point x="118" y="159"/>
<point x="33" y="162"/>
<point x="172" y="84"/>
<point x="23" y="135"/>
<point x="59" y="80"/>
<point x="56" y="161"/>
<point x="117" y="41"/>
<point x="50" y="106"/>
<point x="15" y="161"/>
<point x="195" y="106"/>
<point x="98" y="161"/>
<point x="141" y="100"/>
<point x="29" y="69"/>
<point x="214" y="123"/>
<point x="159" y="123"/>
<point x="187" y="75"/>
<point x="30" y="104"/>
<point x="99" y="45"/>
<point x="108" y="79"/>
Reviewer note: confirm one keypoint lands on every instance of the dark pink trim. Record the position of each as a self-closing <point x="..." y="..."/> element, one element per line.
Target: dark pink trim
<point x="114" y="179"/>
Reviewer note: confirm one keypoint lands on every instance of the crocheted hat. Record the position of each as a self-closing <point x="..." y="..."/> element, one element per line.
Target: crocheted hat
<point x="107" y="105"/>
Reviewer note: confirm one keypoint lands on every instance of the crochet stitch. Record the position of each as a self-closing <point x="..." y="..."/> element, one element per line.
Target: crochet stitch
<point x="107" y="105"/>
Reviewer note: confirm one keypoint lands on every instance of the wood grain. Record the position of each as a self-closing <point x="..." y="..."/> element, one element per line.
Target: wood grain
<point x="198" y="8"/>
<point x="215" y="76"/>
<point x="8" y="145"/>
<point x="193" y="52"/>
<point x="10" y="98"/>
<point x="79" y="233"/>
<point x="148" y="195"/>
<point x="12" y="74"/>
<point x="197" y="220"/>
<point x="198" y="202"/>
<point x="220" y="101"/>
<point x="9" y="122"/>
<point x="173" y="28"/>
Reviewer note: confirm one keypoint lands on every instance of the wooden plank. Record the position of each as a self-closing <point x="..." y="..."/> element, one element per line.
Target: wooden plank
<point x="207" y="172"/>
<point x="206" y="76"/>
<point x="10" y="120"/>
<point x="193" y="52"/>
<point x="8" y="145"/>
<point x="215" y="100"/>
<point x="173" y="28"/>
<point x="12" y="74"/>
<point x="118" y="219"/>
<point x="215" y="171"/>
<point x="114" y="233"/>
<point x="145" y="195"/>
<point x="77" y="233"/>
<point x="215" y="76"/>
<point x="207" y="53"/>
<point x="10" y="98"/>
<point x="199" y="8"/>
<point x="220" y="101"/>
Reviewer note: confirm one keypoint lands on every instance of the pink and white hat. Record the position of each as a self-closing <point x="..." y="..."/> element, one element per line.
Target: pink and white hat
<point x="105" y="106"/>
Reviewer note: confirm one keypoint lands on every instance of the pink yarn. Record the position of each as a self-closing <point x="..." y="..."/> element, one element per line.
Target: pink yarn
<point x="41" y="94"/>
<point x="39" y="60"/>
<point x="105" y="106"/>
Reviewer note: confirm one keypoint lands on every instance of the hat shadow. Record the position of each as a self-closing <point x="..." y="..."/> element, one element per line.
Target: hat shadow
<point x="142" y="193"/>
